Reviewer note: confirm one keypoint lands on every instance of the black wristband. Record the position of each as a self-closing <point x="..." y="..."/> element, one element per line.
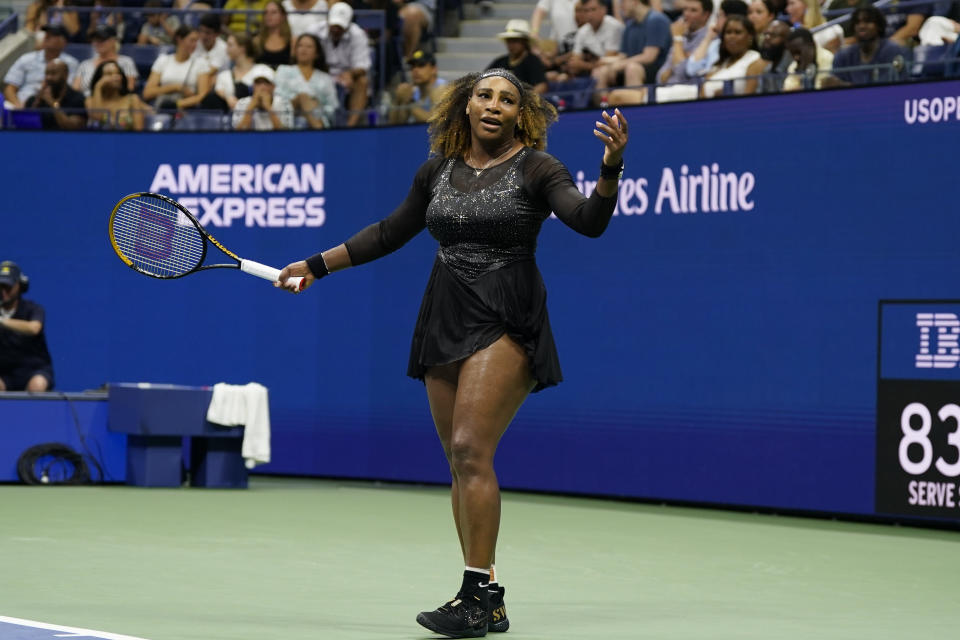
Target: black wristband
<point x="317" y="266"/>
<point x="611" y="173"/>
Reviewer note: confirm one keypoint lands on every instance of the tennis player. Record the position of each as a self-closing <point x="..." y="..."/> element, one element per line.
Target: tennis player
<point x="482" y="340"/>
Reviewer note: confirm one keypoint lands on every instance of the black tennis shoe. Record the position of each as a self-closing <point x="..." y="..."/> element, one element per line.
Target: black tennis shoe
<point x="463" y="617"/>
<point x="498" y="612"/>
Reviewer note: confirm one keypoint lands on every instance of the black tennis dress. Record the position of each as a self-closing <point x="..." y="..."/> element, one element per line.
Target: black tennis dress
<point x="485" y="282"/>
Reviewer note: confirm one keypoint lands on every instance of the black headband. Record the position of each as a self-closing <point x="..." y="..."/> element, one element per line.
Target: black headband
<point x="502" y="73"/>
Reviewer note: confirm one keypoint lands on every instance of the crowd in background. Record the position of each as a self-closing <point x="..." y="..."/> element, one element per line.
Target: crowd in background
<point x="285" y="73"/>
<point x="688" y="49"/>
<point x="270" y="67"/>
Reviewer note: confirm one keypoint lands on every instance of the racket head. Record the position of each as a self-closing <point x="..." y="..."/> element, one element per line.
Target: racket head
<point x="156" y="236"/>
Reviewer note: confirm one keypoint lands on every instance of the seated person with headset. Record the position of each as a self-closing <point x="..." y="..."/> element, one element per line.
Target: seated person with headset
<point x="25" y="363"/>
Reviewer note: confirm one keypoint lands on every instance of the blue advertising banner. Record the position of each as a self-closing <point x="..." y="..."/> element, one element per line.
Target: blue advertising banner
<point x="718" y="342"/>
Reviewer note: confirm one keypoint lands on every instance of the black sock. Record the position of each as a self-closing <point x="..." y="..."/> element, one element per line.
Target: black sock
<point x="474" y="582"/>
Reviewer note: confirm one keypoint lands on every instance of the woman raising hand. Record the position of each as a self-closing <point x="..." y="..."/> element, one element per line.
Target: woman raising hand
<point x="482" y="341"/>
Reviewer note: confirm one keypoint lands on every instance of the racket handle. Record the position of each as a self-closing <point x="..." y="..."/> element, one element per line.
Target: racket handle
<point x="267" y="273"/>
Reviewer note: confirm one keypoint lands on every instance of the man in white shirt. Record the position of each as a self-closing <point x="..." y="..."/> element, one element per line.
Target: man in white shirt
<point x="28" y="72"/>
<point x="598" y="38"/>
<point x="347" y="50"/>
<point x="211" y="47"/>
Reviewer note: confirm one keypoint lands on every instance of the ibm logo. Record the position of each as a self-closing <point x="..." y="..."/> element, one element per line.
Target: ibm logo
<point x="939" y="349"/>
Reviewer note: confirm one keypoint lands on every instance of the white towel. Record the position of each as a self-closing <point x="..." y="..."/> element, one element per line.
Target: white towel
<point x="234" y="405"/>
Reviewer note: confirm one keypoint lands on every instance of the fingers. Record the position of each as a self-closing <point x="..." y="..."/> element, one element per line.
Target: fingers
<point x="604" y="138"/>
<point x="621" y="120"/>
<point x="616" y="121"/>
<point x="614" y="130"/>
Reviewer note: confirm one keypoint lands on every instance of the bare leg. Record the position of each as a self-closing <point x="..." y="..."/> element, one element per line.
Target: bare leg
<point x="414" y="24"/>
<point x="627" y="96"/>
<point x="635" y="74"/>
<point x="492" y="385"/>
<point x="441" y="382"/>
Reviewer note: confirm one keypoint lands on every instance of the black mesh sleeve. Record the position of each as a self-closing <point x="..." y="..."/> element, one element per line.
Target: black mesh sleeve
<point x="548" y="181"/>
<point x="407" y="220"/>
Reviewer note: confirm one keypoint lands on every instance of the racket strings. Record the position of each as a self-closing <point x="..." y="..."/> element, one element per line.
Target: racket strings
<point x="156" y="237"/>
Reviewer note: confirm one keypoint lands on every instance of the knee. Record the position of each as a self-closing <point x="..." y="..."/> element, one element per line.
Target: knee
<point x="635" y="74"/>
<point x="37" y="383"/>
<point x="413" y="17"/>
<point x="467" y="458"/>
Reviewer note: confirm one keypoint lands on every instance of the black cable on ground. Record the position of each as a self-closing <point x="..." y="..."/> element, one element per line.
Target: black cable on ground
<point x="52" y="463"/>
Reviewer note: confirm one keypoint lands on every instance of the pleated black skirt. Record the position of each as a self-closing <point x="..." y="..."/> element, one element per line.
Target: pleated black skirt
<point x="459" y="318"/>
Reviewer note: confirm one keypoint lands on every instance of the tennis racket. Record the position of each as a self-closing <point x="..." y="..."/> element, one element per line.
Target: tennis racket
<point x="156" y="236"/>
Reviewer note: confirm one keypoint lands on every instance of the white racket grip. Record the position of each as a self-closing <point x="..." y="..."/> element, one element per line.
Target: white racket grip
<point x="267" y="273"/>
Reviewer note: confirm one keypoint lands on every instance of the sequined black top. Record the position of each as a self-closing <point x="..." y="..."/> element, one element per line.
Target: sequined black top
<point x="484" y="222"/>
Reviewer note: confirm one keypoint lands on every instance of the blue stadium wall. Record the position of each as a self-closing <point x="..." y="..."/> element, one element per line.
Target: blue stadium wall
<point x="718" y="345"/>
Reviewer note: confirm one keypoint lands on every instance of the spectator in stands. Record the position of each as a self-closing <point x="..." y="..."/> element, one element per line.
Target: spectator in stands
<point x="804" y="13"/>
<point x="38" y="16"/>
<point x="25" y="363"/>
<point x="904" y="23"/>
<point x="807" y="14"/>
<point x="110" y="101"/>
<point x="307" y="85"/>
<point x="809" y="59"/>
<point x="644" y="46"/>
<point x="177" y="80"/>
<point x="519" y="58"/>
<point x="28" y="72"/>
<point x="418" y="17"/>
<point x="159" y="28"/>
<point x="556" y="55"/>
<point x="739" y="60"/>
<point x="102" y="16"/>
<point x="303" y="22"/>
<point x="274" y="40"/>
<point x="196" y="8"/>
<point x="689" y="33"/>
<point x="705" y="57"/>
<point x="63" y="105"/>
<point x="263" y="110"/>
<point x="105" y="48"/>
<point x="347" y="50"/>
<point x="871" y="48"/>
<point x="413" y="101"/>
<point x="773" y="49"/>
<point x="243" y="22"/>
<point x="598" y="38"/>
<point x="211" y="47"/>
<point x="761" y="14"/>
<point x="236" y="81"/>
<point x="562" y="21"/>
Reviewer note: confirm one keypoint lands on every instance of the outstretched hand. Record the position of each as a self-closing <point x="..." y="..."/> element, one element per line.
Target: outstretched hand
<point x="613" y="132"/>
<point x="293" y="270"/>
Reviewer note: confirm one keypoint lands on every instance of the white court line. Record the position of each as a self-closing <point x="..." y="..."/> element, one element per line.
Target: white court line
<point x="76" y="632"/>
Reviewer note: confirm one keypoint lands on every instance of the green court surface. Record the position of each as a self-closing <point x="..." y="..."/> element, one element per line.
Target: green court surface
<point x="298" y="559"/>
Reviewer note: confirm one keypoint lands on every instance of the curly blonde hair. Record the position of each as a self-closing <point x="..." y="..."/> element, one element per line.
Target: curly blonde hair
<point x="449" y="128"/>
